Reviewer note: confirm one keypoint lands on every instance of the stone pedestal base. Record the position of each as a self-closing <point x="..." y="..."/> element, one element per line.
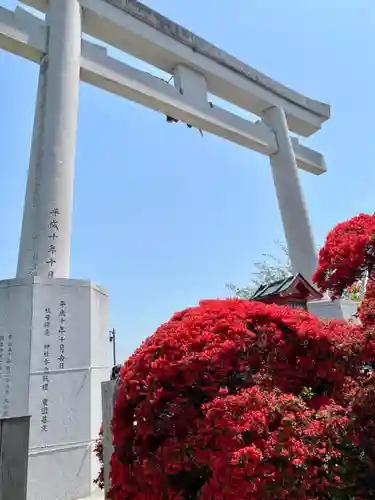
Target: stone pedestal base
<point x="337" y="309"/>
<point x="14" y="447"/>
<point x="97" y="495"/>
<point x="63" y="324"/>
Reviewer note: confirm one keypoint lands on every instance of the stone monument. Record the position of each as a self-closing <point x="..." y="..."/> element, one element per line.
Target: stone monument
<point x="53" y="330"/>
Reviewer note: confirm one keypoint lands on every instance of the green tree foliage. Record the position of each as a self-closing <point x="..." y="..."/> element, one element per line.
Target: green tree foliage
<point x="272" y="268"/>
<point x="267" y="270"/>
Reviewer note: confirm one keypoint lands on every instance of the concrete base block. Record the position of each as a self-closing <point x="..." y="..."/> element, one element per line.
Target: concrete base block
<point x="66" y="322"/>
<point x="336" y="309"/>
<point x="14" y="444"/>
<point x="98" y="495"/>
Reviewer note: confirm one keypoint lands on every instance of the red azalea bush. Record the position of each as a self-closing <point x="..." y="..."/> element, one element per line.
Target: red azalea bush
<point x="346" y="255"/>
<point x="241" y="400"/>
<point x="349" y="253"/>
<point x="237" y="399"/>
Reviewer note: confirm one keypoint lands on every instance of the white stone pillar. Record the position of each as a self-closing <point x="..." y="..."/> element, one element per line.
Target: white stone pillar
<point x="27" y="254"/>
<point x="47" y="221"/>
<point x="293" y="210"/>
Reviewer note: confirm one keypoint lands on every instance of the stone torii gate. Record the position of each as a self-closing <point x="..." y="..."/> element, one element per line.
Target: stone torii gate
<point x="197" y="67"/>
<point x="58" y="378"/>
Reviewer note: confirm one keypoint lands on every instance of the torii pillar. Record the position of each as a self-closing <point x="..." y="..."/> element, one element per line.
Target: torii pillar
<point x="54" y="328"/>
<point x="47" y="218"/>
<point x="294" y="215"/>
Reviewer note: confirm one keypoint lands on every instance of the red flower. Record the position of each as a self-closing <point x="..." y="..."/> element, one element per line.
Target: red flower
<point x="205" y="410"/>
<point x="98" y="451"/>
<point x="342" y="260"/>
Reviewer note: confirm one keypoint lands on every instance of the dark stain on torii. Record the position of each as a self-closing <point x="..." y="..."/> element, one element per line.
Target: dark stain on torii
<point x="201" y="46"/>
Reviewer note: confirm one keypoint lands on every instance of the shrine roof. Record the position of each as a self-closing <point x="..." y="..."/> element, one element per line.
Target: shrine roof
<point x="285" y="285"/>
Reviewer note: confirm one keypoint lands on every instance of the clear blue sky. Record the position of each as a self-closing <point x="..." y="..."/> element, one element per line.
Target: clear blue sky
<point x="163" y="217"/>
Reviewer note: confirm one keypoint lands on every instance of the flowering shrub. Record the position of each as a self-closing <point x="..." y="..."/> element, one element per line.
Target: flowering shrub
<point x="236" y="399"/>
<point x="349" y="254"/>
<point x="98" y="451"/>
<point x="346" y="255"/>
